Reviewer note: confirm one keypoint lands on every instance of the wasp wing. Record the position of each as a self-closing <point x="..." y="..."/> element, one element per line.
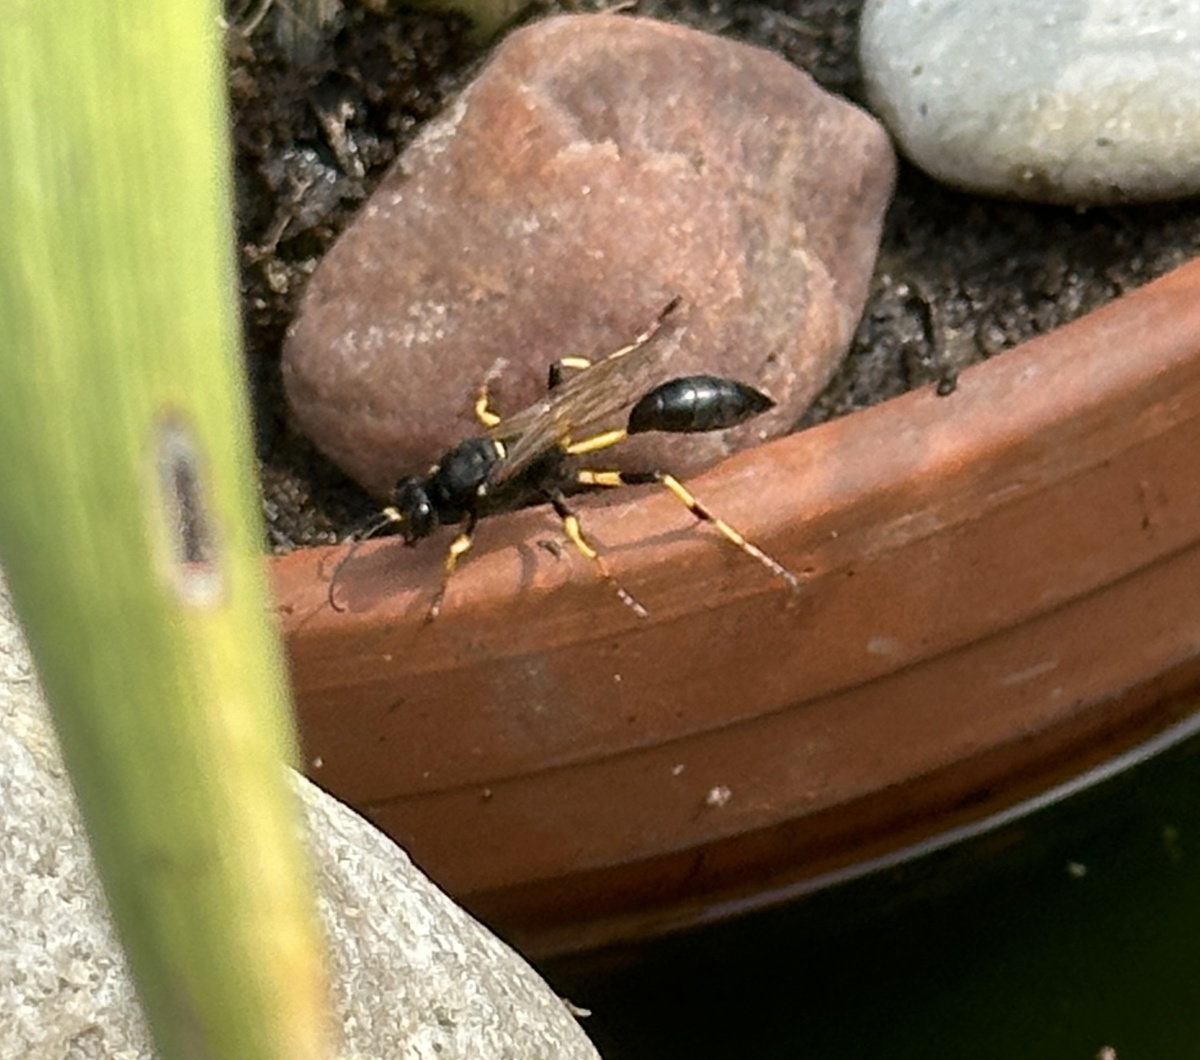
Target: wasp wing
<point x="585" y="403"/>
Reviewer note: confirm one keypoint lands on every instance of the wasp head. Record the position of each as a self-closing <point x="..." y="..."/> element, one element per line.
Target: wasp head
<point x="417" y="514"/>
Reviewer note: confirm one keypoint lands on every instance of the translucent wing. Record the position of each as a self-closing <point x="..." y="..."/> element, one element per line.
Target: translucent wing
<point x="586" y="402"/>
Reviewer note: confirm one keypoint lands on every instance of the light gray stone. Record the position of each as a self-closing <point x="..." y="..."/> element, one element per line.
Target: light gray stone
<point x="1067" y="101"/>
<point x="414" y="976"/>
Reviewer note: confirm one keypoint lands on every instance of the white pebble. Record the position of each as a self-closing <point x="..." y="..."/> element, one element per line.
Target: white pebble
<point x="1075" y="101"/>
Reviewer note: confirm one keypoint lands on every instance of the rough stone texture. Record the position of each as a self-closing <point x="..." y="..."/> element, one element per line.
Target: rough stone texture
<point x="414" y="976"/>
<point x="597" y="166"/>
<point x="1076" y="101"/>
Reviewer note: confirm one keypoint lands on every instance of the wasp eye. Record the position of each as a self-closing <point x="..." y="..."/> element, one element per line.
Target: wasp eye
<point x="414" y="511"/>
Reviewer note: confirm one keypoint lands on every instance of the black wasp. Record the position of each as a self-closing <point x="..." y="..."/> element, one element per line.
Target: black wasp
<point x="523" y="458"/>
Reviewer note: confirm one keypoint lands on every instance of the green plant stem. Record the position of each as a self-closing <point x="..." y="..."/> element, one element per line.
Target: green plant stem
<point x="488" y="17"/>
<point x="127" y="525"/>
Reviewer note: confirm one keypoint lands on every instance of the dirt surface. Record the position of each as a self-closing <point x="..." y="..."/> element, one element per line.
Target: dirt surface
<point x="959" y="279"/>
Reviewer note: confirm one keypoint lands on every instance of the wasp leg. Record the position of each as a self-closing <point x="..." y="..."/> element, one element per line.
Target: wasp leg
<point x="595" y="442"/>
<point x="576" y="364"/>
<point x="685" y="497"/>
<point x="484" y="412"/>
<point x="489" y="417"/>
<point x="580" y="363"/>
<point x="459" y="547"/>
<point x="574" y="530"/>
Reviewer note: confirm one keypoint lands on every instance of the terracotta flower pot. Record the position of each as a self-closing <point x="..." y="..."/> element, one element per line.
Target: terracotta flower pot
<point x="1001" y="591"/>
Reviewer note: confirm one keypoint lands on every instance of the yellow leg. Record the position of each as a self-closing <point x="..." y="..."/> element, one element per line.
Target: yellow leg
<point x="459" y="547"/>
<point x="728" y="532"/>
<point x="574" y="530"/>
<point x="483" y="409"/>
<point x="581" y="363"/>
<point x="689" y="500"/>
<point x="597" y="441"/>
<point x="600" y="478"/>
<point x="576" y="364"/>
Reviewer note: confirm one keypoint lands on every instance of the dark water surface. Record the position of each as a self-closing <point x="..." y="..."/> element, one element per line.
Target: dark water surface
<point x="1073" y="929"/>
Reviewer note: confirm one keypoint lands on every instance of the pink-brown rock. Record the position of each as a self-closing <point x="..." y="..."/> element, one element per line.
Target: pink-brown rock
<point x="598" y="166"/>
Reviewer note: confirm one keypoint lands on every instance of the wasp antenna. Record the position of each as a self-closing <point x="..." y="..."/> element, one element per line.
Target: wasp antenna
<point x="664" y="315"/>
<point x="653" y="329"/>
<point x="387" y="518"/>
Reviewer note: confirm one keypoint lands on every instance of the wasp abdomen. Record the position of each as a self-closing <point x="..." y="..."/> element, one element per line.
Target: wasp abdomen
<point x="696" y="403"/>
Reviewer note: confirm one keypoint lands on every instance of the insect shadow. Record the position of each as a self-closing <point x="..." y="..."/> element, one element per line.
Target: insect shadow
<point x="526" y="458"/>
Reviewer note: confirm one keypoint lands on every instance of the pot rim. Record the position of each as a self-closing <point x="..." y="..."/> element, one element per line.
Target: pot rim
<point x="971" y="634"/>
